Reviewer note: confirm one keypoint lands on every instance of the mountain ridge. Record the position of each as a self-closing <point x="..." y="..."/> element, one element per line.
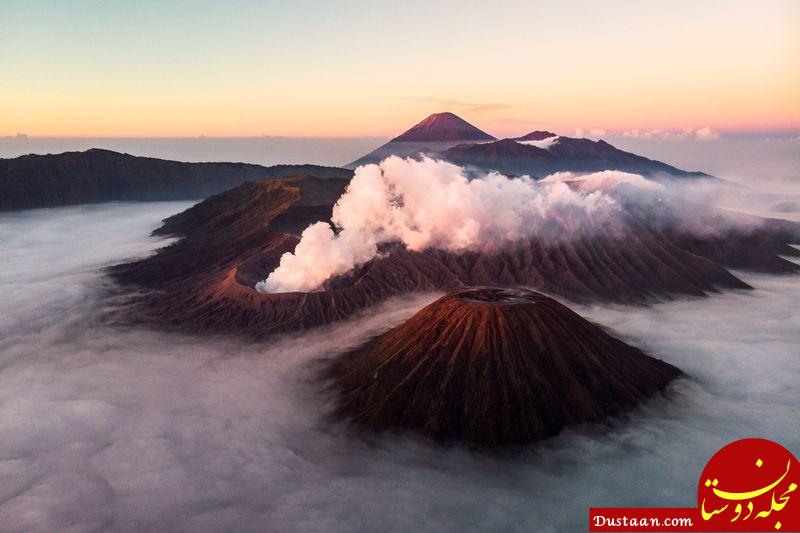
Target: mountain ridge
<point x="565" y="154"/>
<point x="517" y="155"/>
<point x="99" y="175"/>
<point x="205" y="281"/>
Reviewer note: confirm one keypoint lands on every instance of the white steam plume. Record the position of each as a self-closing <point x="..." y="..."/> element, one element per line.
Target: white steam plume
<point x="603" y="181"/>
<point x="422" y="204"/>
<point x="545" y="143"/>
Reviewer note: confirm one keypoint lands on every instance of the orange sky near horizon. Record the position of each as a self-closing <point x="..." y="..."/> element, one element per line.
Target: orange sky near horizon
<point x="107" y="69"/>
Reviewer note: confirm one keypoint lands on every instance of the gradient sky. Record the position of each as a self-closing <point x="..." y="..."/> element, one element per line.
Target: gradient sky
<point x="302" y="68"/>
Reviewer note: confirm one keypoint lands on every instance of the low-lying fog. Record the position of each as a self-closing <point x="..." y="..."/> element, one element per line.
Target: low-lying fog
<point x="127" y="429"/>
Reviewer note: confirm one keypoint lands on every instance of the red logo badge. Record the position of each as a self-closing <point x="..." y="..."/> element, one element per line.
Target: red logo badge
<point x="749" y="485"/>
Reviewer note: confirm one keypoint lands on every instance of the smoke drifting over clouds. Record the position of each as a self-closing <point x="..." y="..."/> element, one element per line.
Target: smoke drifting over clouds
<point x="432" y="204"/>
<point x="765" y="165"/>
<point x="423" y="204"/>
<point x="124" y="429"/>
<point x="603" y="181"/>
<point x="544" y="143"/>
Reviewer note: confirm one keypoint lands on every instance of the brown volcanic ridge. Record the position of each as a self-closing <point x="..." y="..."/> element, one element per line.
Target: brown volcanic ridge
<point x="493" y="367"/>
<point x="205" y="281"/>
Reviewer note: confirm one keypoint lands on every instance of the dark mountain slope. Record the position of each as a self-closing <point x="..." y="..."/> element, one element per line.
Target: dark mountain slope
<point x="102" y="176"/>
<point x="228" y="228"/>
<point x="564" y="155"/>
<point x="504" y="156"/>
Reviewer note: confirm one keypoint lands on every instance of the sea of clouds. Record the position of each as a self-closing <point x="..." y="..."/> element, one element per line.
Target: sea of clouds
<point x="118" y="428"/>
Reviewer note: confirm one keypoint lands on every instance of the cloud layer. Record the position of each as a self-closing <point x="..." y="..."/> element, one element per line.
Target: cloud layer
<point x="127" y="430"/>
<point x="702" y="134"/>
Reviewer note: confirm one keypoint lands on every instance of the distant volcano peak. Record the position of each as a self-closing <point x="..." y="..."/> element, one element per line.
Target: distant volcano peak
<point x="443" y="127"/>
